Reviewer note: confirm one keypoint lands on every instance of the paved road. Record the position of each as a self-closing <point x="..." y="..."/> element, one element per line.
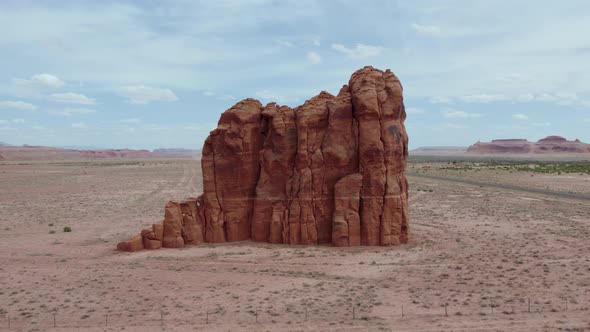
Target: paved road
<point x="506" y="186"/>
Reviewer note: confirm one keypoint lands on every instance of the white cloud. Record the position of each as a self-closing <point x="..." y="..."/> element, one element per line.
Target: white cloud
<point x="512" y="78"/>
<point x="46" y="80"/>
<point x="285" y="43"/>
<point x="130" y="120"/>
<point x="71" y="98"/>
<point x="567" y="96"/>
<point x="441" y="100"/>
<point x="520" y="116"/>
<point x="71" y="111"/>
<point x="427" y="30"/>
<point x="587" y="120"/>
<point x="298" y="40"/>
<point x="541" y="124"/>
<point x="314" y="58"/>
<point x="560" y="98"/>
<point x="18" y="120"/>
<point x="269" y="96"/>
<point x="545" y="97"/>
<point x="454" y="126"/>
<point x="220" y="97"/>
<point x="3" y="121"/>
<point x="450" y="113"/>
<point x="155" y="127"/>
<point x="39" y="128"/>
<point x="79" y="125"/>
<point x="525" y="97"/>
<point x="414" y="110"/>
<point x="227" y="97"/>
<point x="360" y="51"/>
<point x="17" y="105"/>
<point x="141" y="94"/>
<point x="482" y="98"/>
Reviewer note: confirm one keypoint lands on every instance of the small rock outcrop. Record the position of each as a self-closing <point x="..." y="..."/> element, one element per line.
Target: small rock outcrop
<point x="547" y="145"/>
<point x="329" y="171"/>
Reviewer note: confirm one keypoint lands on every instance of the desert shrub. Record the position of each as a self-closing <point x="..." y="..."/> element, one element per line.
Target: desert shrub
<point x="52" y="232"/>
<point x="67" y="229"/>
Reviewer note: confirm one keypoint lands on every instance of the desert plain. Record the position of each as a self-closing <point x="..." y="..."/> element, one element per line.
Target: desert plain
<point x="480" y="257"/>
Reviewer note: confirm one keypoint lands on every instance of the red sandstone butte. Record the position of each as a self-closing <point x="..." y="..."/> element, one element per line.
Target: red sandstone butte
<point x="329" y="171"/>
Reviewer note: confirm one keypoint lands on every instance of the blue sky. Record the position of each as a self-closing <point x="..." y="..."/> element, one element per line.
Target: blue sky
<point x="149" y="74"/>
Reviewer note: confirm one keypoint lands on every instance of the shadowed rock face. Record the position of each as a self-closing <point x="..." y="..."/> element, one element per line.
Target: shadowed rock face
<point x="328" y="171"/>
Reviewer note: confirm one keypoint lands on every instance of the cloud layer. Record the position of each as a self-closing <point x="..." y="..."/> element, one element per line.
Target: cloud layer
<point x="139" y="73"/>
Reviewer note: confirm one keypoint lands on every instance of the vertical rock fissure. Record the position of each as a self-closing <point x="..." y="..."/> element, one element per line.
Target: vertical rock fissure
<point x="295" y="197"/>
<point x="323" y="181"/>
<point x="385" y="188"/>
<point x="218" y="202"/>
<point x="387" y="175"/>
<point x="252" y="200"/>
<point x="359" y="169"/>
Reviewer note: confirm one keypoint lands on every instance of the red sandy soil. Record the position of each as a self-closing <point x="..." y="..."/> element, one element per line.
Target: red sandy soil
<point x="482" y="251"/>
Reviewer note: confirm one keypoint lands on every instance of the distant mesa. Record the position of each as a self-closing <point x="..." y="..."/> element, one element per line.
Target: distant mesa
<point x="331" y="171"/>
<point x="178" y="152"/>
<point x="31" y="152"/>
<point x="438" y="150"/>
<point x="547" y="145"/>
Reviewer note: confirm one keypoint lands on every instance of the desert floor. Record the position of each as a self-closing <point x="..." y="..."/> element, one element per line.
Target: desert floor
<point x="482" y="251"/>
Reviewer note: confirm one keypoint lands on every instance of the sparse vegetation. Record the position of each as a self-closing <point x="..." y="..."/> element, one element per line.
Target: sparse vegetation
<point x="575" y="167"/>
<point x="67" y="229"/>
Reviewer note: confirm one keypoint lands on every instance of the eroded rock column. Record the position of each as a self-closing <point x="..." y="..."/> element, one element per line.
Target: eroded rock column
<point x="231" y="169"/>
<point x="378" y="106"/>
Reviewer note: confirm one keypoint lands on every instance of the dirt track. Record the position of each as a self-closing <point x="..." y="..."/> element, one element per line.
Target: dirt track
<point x="506" y="186"/>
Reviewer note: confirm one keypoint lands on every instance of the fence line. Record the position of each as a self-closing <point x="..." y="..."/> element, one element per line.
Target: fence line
<point x="212" y="316"/>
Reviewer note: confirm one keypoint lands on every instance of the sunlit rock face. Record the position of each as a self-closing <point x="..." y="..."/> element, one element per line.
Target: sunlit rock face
<point x="328" y="171"/>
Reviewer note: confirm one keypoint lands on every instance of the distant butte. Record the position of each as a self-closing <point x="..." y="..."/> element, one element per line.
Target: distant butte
<point x="331" y="171"/>
<point x="547" y="145"/>
<point x="29" y="152"/>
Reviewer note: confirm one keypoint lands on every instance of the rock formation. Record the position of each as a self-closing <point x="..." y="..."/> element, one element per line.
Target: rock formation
<point x="550" y="144"/>
<point x="328" y="171"/>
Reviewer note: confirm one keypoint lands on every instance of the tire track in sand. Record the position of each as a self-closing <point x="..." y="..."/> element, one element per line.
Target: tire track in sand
<point x="153" y="198"/>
